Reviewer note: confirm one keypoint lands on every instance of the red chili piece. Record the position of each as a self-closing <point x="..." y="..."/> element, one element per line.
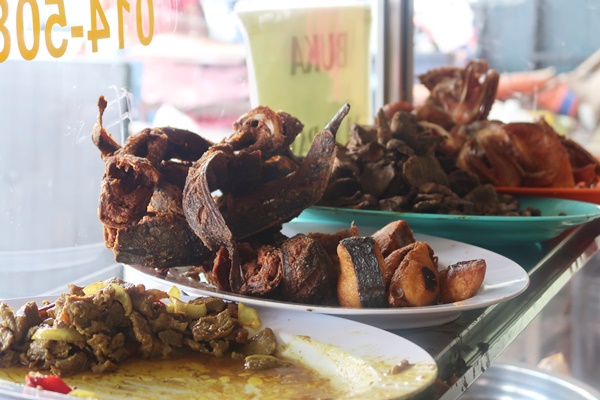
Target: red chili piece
<point x="52" y="383"/>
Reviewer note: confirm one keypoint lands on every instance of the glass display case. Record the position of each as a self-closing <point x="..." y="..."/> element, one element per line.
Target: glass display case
<point x="200" y="64"/>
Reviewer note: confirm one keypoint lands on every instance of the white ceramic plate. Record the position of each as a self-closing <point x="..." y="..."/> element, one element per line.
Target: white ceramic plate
<point x="365" y="354"/>
<point x="504" y="280"/>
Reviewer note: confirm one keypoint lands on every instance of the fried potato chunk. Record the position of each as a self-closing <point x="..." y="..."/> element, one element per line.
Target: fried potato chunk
<point x="394" y="235"/>
<point x="415" y="282"/>
<point x="462" y="280"/>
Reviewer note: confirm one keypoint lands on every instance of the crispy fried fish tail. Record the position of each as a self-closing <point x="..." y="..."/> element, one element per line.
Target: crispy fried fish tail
<point x="337" y="119"/>
<point x="102" y="139"/>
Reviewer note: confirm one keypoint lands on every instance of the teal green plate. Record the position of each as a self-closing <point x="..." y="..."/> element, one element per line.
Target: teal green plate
<point x="557" y="216"/>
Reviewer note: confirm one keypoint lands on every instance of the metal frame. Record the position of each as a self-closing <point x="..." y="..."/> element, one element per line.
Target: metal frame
<point x="394" y="57"/>
<point x="466" y="347"/>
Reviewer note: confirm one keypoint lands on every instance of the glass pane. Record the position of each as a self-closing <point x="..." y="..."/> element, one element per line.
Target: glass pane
<point x="178" y="63"/>
<point x="158" y="63"/>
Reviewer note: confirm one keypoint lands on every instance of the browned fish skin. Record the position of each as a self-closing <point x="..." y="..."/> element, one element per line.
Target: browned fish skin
<point x="141" y="194"/>
<point x="234" y="165"/>
<point x="361" y="282"/>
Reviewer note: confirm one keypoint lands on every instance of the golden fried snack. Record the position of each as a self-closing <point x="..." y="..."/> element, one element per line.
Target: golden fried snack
<point x="393" y="236"/>
<point x="415" y="282"/>
<point x="392" y="262"/>
<point x="462" y="280"/>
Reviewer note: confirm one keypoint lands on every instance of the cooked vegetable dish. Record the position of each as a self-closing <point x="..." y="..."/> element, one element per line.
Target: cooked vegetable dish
<point x="101" y="325"/>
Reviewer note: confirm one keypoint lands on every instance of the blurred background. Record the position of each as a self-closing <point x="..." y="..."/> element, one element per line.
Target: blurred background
<point x="194" y="75"/>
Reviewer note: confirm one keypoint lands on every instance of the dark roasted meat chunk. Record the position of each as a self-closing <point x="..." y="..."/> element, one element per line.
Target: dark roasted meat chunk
<point x="142" y="192"/>
<point x="406" y="165"/>
<point x="158" y="240"/>
<point x="308" y="275"/>
<point x="262" y="272"/>
<point x="214" y="327"/>
<point x="19" y="323"/>
<point x="127" y="187"/>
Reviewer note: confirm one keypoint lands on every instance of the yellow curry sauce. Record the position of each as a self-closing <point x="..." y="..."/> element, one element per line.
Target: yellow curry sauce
<point x="195" y="377"/>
